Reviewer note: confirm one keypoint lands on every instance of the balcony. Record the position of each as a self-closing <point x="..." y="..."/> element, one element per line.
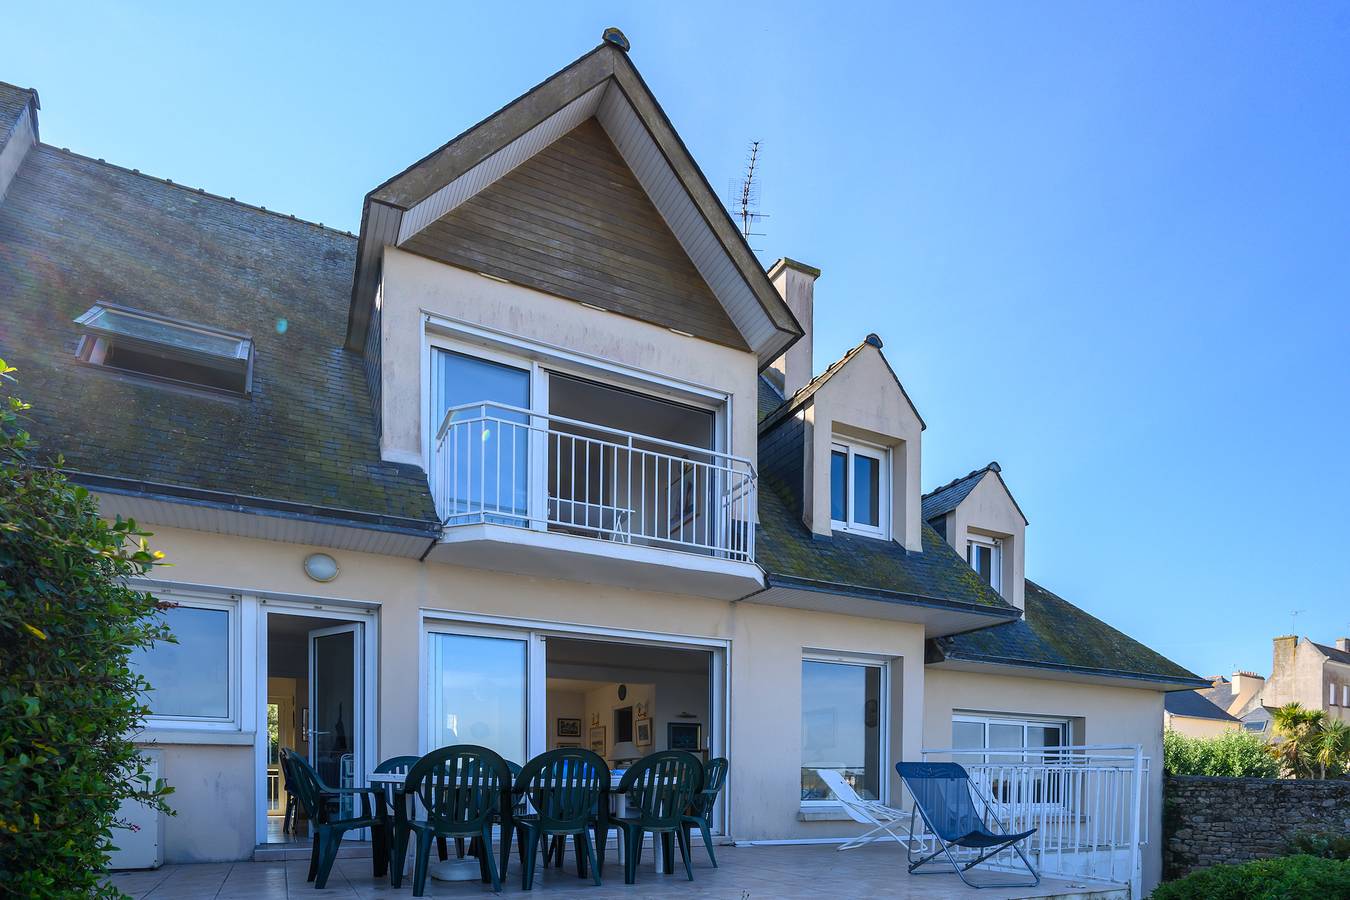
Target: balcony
<point x="530" y="492"/>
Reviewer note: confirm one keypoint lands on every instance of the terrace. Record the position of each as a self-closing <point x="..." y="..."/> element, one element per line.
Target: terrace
<point x="746" y="873"/>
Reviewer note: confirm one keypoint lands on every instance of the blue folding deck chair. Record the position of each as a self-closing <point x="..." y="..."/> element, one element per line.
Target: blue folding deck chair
<point x="944" y="797"/>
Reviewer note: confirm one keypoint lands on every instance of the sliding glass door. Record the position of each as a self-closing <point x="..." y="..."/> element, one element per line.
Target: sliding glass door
<point x="485" y="449"/>
<point x="478" y="692"/>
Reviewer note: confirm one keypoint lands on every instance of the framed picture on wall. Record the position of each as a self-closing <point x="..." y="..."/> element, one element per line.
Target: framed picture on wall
<point x="569" y="728"/>
<point x="642" y="733"/>
<point x="684" y="736"/>
<point x="566" y="745"/>
<point x="598" y="739"/>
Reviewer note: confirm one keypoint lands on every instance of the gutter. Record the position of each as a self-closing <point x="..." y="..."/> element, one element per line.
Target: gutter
<point x="1008" y="614"/>
<point x="1182" y="683"/>
<point x="284" y="509"/>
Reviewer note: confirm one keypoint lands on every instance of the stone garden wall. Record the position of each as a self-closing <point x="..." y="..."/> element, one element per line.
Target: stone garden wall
<point x="1207" y="821"/>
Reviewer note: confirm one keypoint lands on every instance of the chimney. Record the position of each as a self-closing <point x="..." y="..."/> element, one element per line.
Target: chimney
<point x="796" y="284"/>
<point x="22" y="128"/>
<point x="1246" y="686"/>
<point x="1343" y="644"/>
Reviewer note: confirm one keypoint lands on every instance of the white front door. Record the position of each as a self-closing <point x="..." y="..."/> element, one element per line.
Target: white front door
<point x="335" y="707"/>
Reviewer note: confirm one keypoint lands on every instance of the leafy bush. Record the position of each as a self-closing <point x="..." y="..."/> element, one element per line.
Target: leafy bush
<point x="68" y="698"/>
<point x="1326" y="844"/>
<point x="1287" y="878"/>
<point x="1234" y="754"/>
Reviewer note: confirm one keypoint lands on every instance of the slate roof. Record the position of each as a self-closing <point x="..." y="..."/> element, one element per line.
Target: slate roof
<point x="1193" y="705"/>
<point x="786" y="548"/>
<point x="13" y="101"/>
<point x="943" y="500"/>
<point x="1057" y="635"/>
<point x="769" y="398"/>
<point x="74" y="231"/>
<point x="1332" y="653"/>
<point x="940" y="501"/>
<point x="1220" y="692"/>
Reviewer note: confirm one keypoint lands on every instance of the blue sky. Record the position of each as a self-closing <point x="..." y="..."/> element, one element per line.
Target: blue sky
<point x="1106" y="245"/>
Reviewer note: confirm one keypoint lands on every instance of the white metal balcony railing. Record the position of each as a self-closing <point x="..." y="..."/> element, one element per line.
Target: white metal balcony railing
<point x="1088" y="804"/>
<point x="506" y="465"/>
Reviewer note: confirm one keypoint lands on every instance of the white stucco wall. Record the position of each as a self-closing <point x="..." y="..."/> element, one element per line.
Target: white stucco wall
<point x="766" y="645"/>
<point x="413" y="285"/>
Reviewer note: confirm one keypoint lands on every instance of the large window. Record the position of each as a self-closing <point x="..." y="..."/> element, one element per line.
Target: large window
<point x="858" y="488"/>
<point x="1011" y="742"/>
<point x="843" y="708"/>
<point x="192" y="681"/>
<point x="985" y="555"/>
<point x="477" y="693"/>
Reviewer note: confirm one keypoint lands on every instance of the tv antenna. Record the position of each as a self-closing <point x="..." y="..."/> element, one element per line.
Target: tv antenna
<point x="745" y="196"/>
<point x="1293" y="620"/>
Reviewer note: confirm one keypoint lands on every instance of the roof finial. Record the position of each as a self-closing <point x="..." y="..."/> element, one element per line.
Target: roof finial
<point x="617" y="38"/>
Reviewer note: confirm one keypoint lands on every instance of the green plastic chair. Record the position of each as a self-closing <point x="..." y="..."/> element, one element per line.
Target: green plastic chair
<point x="565" y="787"/>
<point x="463" y="789"/>
<point x="700" y="811"/>
<point x="400" y="765"/>
<point x="661" y="787"/>
<point x="321" y="806"/>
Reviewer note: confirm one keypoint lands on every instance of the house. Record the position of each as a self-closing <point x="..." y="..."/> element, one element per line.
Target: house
<point x="1315" y="676"/>
<point x="537" y="458"/>
<point x="1194" y="714"/>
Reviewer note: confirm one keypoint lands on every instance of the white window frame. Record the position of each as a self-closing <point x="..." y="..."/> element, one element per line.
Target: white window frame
<point x="996" y="556"/>
<point x="231" y="605"/>
<point x="1345" y="695"/>
<point x="1026" y="721"/>
<point x="539" y="360"/>
<point x="1331" y="694"/>
<point x="851" y="448"/>
<point x="883" y="719"/>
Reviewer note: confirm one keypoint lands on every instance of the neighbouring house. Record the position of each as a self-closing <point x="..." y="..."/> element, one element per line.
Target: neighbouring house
<point x="537" y="458"/>
<point x="1193" y="714"/>
<point x="1315" y="676"/>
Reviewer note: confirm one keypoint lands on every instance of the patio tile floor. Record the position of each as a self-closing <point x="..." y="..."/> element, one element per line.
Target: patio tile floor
<point x="798" y="872"/>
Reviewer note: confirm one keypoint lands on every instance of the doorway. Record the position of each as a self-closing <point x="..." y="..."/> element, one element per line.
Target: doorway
<point x="318" y="686"/>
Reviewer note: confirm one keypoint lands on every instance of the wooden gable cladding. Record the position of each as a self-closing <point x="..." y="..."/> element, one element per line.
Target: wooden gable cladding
<point x="573" y="221"/>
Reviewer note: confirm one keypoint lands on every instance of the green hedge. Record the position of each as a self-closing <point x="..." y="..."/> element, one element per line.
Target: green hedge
<point x="1286" y="878"/>
<point x="1233" y="754"/>
<point x="68" y="698"/>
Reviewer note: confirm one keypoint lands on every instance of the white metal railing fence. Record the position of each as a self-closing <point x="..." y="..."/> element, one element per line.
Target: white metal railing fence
<point x="511" y="466"/>
<point x="1088" y="805"/>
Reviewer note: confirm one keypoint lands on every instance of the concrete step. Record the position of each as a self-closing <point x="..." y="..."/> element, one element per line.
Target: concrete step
<point x="301" y="850"/>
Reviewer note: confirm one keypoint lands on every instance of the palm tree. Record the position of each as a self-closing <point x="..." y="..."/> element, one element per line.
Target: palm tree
<point x="1298" y="730"/>
<point x="1332" y="748"/>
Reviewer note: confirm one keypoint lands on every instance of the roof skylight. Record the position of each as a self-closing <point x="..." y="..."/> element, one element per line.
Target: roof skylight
<point x="155" y="346"/>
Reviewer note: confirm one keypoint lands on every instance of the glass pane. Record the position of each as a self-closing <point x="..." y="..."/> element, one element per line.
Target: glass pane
<point x="866" y="490"/>
<point x="841" y="727"/>
<point x="838" y="486"/>
<point x="333" y="718"/>
<point x="488" y="446"/>
<point x="178" y="336"/>
<point x="477" y="693"/>
<point x="965" y="736"/>
<point x="192" y="677"/>
<point x="982" y="561"/>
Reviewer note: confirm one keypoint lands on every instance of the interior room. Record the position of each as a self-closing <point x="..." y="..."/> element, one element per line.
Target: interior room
<point x="313" y="707"/>
<point x="626" y="700"/>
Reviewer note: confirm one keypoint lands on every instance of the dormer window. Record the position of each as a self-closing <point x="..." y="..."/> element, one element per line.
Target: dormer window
<point x="858" y="488"/>
<point x="157" y="347"/>
<point x="985" y="555"/>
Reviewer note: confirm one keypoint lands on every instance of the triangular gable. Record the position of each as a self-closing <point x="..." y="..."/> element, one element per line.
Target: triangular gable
<point x="940" y="501"/>
<point x="603" y="84"/>
<point x="572" y="220"/>
<point x="807" y="391"/>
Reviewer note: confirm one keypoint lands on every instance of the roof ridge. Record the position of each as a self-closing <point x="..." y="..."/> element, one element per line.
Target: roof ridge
<point x="991" y="466"/>
<point x="201" y="192"/>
